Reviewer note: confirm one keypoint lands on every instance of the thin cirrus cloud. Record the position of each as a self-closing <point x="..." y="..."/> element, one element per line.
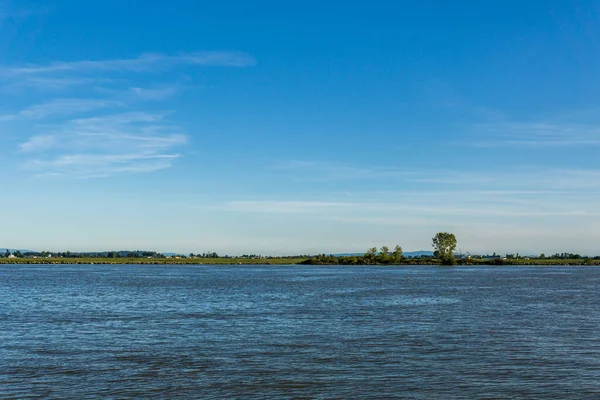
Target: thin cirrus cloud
<point x="50" y="83"/>
<point x="158" y="93"/>
<point x="451" y="207"/>
<point x="155" y="93"/>
<point x="100" y="166"/>
<point x="330" y="171"/>
<point x="104" y="146"/>
<point x="61" y="107"/>
<point x="420" y="213"/>
<point x="536" y="134"/>
<point x="447" y="196"/>
<point x="144" y="63"/>
<point x="514" y="178"/>
<point x="101" y="128"/>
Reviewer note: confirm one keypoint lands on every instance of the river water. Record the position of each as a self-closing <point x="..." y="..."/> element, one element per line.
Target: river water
<point x="204" y="332"/>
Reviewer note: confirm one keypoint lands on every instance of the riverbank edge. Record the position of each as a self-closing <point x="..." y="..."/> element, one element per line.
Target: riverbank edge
<point x="285" y="261"/>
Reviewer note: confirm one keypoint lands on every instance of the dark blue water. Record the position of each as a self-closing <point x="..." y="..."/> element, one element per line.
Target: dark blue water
<point x="202" y="332"/>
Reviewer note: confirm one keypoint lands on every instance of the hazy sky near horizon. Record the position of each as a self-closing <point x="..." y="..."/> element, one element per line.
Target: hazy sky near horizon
<point x="299" y="126"/>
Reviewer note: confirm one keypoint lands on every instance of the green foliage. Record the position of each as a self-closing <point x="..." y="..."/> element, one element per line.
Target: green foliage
<point x="445" y="244"/>
<point x="370" y="256"/>
<point x="397" y="256"/>
<point x="384" y="255"/>
<point x="324" y="259"/>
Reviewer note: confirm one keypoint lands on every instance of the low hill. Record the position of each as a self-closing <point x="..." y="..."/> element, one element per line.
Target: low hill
<point x="3" y="250"/>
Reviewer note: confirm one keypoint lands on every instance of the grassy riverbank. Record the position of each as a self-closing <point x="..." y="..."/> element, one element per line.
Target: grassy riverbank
<point x="288" y="261"/>
<point x="373" y="258"/>
<point x="155" y="261"/>
<point x="534" y="261"/>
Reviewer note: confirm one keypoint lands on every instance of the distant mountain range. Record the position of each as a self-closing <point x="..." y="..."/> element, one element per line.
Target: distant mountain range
<point x="2" y="251"/>
<point x="120" y="252"/>
<point x="418" y="253"/>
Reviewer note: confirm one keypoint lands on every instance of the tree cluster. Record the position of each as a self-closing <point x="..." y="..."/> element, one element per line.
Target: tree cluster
<point x="371" y="257"/>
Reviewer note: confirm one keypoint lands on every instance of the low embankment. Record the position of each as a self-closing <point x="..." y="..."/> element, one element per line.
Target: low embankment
<point x="154" y="261"/>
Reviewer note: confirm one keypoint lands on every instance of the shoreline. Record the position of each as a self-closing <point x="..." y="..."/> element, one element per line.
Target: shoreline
<point x="285" y="261"/>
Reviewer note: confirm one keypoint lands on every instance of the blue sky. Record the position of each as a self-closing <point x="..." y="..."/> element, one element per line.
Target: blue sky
<point x="299" y="127"/>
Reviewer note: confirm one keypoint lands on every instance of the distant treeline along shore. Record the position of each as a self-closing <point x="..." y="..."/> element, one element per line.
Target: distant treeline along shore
<point x="443" y="243"/>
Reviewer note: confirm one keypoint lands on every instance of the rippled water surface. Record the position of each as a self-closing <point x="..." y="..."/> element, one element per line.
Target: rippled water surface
<point x="203" y="332"/>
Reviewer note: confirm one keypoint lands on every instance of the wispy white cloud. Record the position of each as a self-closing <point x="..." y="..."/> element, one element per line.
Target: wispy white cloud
<point x="101" y="73"/>
<point x="514" y="177"/>
<point x="94" y="166"/>
<point x="327" y="171"/>
<point x="536" y="134"/>
<point x="81" y="134"/>
<point x="437" y="208"/>
<point x="286" y="207"/>
<point x="50" y="83"/>
<point x="518" y="195"/>
<point x="61" y="107"/>
<point x="40" y="142"/>
<point x="151" y="93"/>
<point x="132" y="117"/>
<point x="159" y="93"/>
<point x="148" y="62"/>
<point x="103" y="146"/>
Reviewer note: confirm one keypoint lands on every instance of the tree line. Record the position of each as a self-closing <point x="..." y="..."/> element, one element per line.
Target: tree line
<point x="69" y="254"/>
<point x="444" y="244"/>
<point x="372" y="257"/>
<point x="133" y="254"/>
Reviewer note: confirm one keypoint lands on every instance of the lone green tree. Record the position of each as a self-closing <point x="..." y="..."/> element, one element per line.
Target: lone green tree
<point x="370" y="256"/>
<point x="444" y="244"/>
<point x="397" y="256"/>
<point x="384" y="255"/>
